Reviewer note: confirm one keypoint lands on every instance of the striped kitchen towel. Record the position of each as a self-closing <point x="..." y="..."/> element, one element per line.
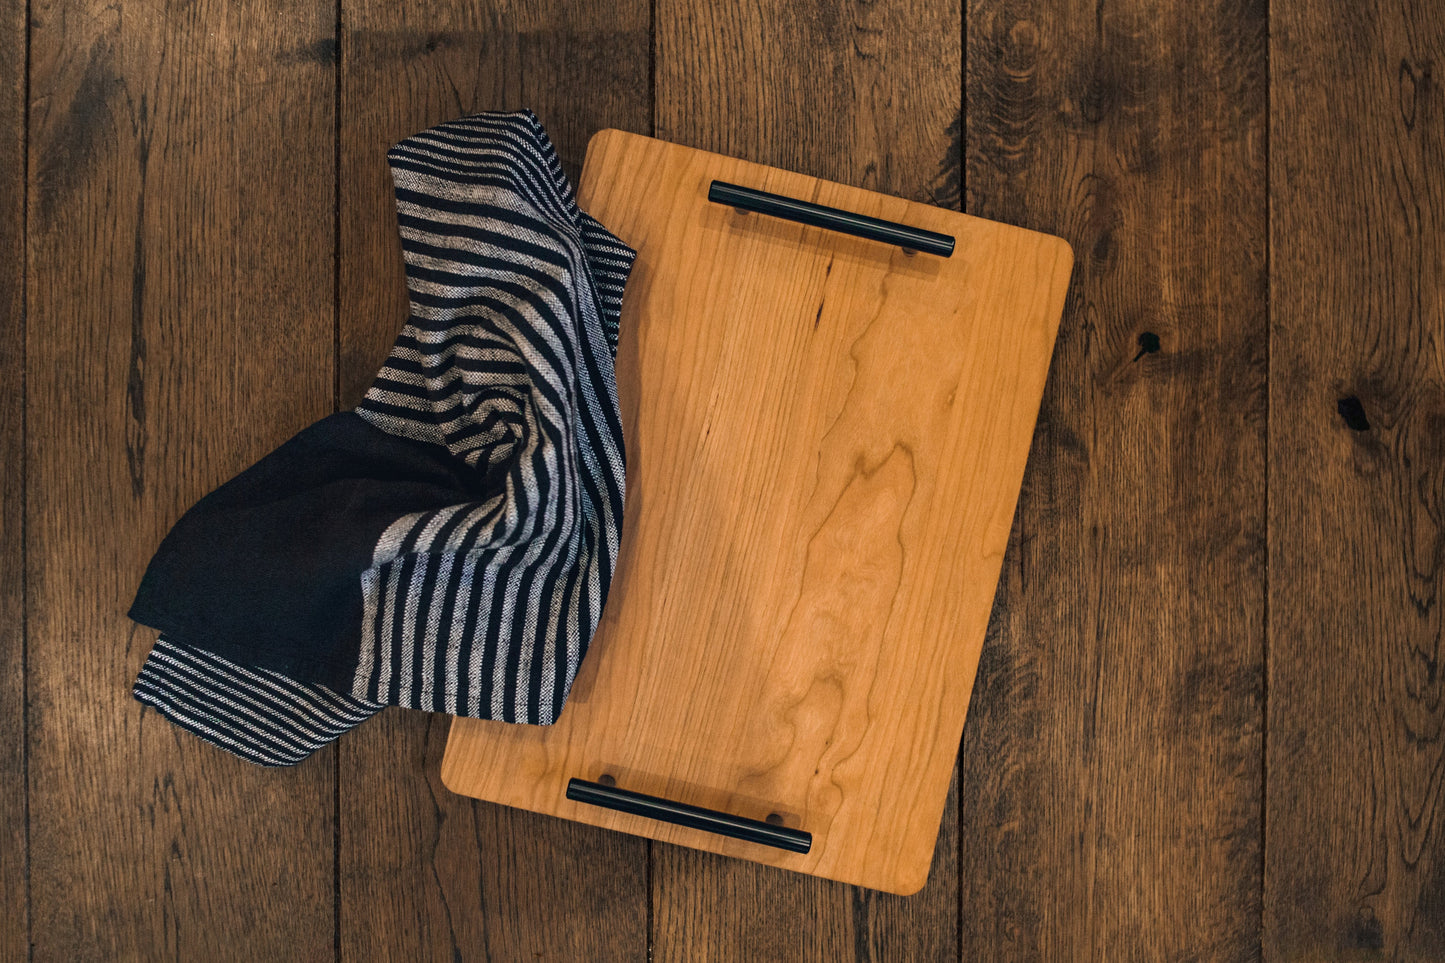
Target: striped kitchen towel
<point x="448" y="544"/>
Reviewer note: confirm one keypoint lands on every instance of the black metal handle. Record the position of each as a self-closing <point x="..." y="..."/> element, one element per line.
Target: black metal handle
<point x="696" y="817"/>
<point x="846" y="222"/>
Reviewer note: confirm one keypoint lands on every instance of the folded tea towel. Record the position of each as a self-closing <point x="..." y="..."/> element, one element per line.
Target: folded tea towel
<point x="448" y="544"/>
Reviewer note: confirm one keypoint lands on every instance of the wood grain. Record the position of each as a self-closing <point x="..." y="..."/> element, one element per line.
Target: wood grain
<point x="180" y="199"/>
<point x="711" y="908"/>
<point x="1110" y="780"/>
<point x="806" y="573"/>
<point x="14" y="923"/>
<point x="429" y="875"/>
<point x="861" y="93"/>
<point x="852" y="93"/>
<point x="425" y="874"/>
<point x="1355" y="866"/>
<point x="1106" y="792"/>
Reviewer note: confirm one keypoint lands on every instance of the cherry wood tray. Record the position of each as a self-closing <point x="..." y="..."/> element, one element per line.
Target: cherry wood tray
<point x="826" y="436"/>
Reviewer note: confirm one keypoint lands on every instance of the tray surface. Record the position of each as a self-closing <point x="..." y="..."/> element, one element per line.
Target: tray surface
<point x="826" y="438"/>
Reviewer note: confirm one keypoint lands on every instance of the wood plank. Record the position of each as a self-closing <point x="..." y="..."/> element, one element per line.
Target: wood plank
<point x="1355" y="865"/>
<point x="1110" y="779"/>
<point x="861" y="95"/>
<point x="811" y="658"/>
<point x="14" y="907"/>
<point x="426" y="874"/>
<point x="181" y="218"/>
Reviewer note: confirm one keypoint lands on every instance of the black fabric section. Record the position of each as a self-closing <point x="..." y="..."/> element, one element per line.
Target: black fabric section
<point x="265" y="570"/>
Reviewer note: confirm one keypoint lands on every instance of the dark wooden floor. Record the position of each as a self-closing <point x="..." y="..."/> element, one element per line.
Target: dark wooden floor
<point x="1210" y="719"/>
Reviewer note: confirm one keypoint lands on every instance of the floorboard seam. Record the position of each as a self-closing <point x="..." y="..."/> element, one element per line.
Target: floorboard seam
<point x="25" y="479"/>
<point x="652" y="66"/>
<point x="1268" y="449"/>
<point x="647" y="885"/>
<point x="336" y="406"/>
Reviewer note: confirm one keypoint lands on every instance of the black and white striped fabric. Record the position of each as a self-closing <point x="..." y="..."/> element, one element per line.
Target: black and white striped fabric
<point x="449" y="544"/>
<point x="259" y="714"/>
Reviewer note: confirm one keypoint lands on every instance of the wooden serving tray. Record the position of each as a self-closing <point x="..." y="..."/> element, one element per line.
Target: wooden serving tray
<point x="826" y="437"/>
